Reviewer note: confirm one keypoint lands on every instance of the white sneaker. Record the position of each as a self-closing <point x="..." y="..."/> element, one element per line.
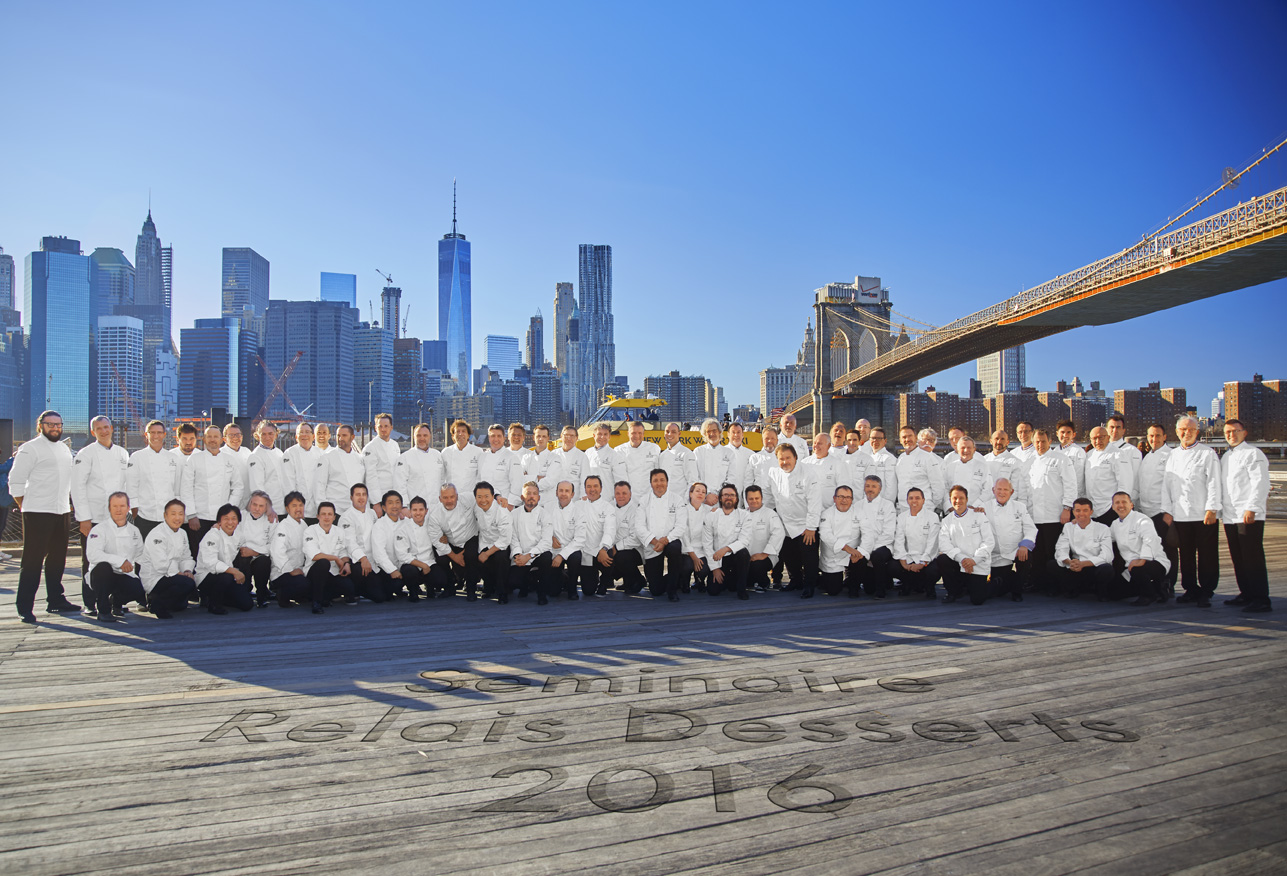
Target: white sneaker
<point x="5" y="557"/>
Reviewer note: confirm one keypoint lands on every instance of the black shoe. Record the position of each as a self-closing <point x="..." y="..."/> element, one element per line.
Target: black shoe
<point x="602" y="591"/>
<point x="1257" y="606"/>
<point x="1016" y="596"/>
<point x="542" y="600"/>
<point x="64" y="606"/>
<point x="1143" y="600"/>
<point x="949" y="598"/>
<point x="1187" y="597"/>
<point x="28" y="618"/>
<point x="930" y="594"/>
<point x="503" y="599"/>
<point x="317" y="608"/>
<point x="217" y="609"/>
<point x="471" y="596"/>
<point x="1237" y="600"/>
<point x="413" y="597"/>
<point x="673" y="597"/>
<point x="350" y="600"/>
<point x="162" y="613"/>
<point x="1203" y="602"/>
<point x="573" y="597"/>
<point x="806" y="593"/>
<point x="743" y="595"/>
<point x="120" y="611"/>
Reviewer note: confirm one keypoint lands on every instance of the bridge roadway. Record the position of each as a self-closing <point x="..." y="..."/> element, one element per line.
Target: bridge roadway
<point x="1240" y="247"/>
<point x="1045" y="737"/>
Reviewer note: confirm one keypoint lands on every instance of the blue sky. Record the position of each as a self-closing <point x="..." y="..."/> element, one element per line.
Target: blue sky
<point x="735" y="155"/>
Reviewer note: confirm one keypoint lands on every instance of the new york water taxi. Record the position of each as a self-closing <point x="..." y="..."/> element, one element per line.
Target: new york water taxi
<point x="618" y="413"/>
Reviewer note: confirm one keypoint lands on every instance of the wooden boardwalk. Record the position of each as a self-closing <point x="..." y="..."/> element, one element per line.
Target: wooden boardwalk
<point x="624" y="735"/>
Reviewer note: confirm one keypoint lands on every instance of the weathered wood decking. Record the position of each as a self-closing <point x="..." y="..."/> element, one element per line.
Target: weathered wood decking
<point x="123" y="751"/>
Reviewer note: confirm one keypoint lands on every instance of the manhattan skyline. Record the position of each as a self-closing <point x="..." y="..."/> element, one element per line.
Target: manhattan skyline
<point x="725" y="203"/>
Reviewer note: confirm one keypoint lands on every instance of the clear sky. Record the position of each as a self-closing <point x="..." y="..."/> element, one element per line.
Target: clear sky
<point x="735" y="155"/>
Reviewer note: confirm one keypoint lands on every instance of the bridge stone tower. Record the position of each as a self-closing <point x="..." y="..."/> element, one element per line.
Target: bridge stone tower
<point x="854" y="326"/>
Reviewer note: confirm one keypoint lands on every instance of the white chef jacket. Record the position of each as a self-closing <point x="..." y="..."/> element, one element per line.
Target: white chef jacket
<point x="681" y="469"/>
<point x="287" y="547"/>
<point x="300" y="469"/>
<point x="884" y="465"/>
<point x="165" y="553"/>
<point x="1052" y="487"/>
<point x="801" y="446"/>
<point x="494" y="466"/>
<point x="458" y="525"/>
<point x="1129" y="452"/>
<point x="879" y="520"/>
<point x="337" y="472"/>
<point x="796" y="498"/>
<point x="837" y="530"/>
<point x="41" y="476"/>
<point x="267" y="472"/>
<point x="726" y="530"/>
<point x="764" y="533"/>
<point x="532" y="531"/>
<point x="855" y="465"/>
<point x="1191" y="485"/>
<point x="415" y="542"/>
<point x="382" y="551"/>
<point x="695" y="537"/>
<point x="828" y="473"/>
<point x="626" y="537"/>
<point x="1077" y="456"/>
<point x="543" y="468"/>
<point x="1007" y="465"/>
<point x="714" y="466"/>
<point x="319" y="541"/>
<point x="1107" y="472"/>
<point x="1244" y="480"/>
<point x="256" y="532"/>
<point x="1012" y="528"/>
<point x="762" y="462"/>
<point x="660" y="517"/>
<point x="602" y="461"/>
<point x="636" y="463"/>
<point x="972" y="475"/>
<point x="1093" y="544"/>
<point x="567" y="465"/>
<point x="600" y="521"/>
<point x="1148" y="485"/>
<point x="495" y="529"/>
<point x="97" y="472"/>
<point x="1136" y="539"/>
<point x="920" y="468"/>
<point x="355" y="530"/>
<point x="967" y="536"/>
<point x="217" y="551"/>
<point x="379" y="468"/>
<point x="568" y="527"/>
<point x="152" y="480"/>
<point x="916" y="537"/>
<point x="422" y="473"/>
<point x="114" y="545"/>
<point x="210" y="481"/>
<point x="461" y="468"/>
<point x="240" y="459"/>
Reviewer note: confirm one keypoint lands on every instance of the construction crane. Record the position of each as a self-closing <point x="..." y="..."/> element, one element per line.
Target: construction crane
<point x="279" y="384"/>
<point x="405" y="314"/>
<point x="388" y="278"/>
<point x="370" y="306"/>
<point x="135" y="421"/>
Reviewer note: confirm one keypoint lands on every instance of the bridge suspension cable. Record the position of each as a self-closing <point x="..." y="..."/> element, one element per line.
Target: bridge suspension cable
<point x="1231" y="182"/>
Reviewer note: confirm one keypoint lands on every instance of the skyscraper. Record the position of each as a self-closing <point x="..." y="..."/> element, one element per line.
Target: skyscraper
<point x="153" y="296"/>
<point x="571" y="372"/>
<point x="120" y="370"/>
<point x="59" y="329"/>
<point x="408" y="385"/>
<point x="8" y="281"/>
<point x="1003" y="371"/>
<point x="391" y="310"/>
<point x="116" y="279"/>
<point x="564" y="304"/>
<point x="434" y="356"/>
<point x="245" y="284"/>
<point x="323" y="331"/>
<point x="598" y="349"/>
<point x="339" y="287"/>
<point x="455" y="322"/>
<point x="546" y="405"/>
<point x="372" y="370"/>
<point x="501" y="354"/>
<point x="535" y="349"/>
<point x="218" y="368"/>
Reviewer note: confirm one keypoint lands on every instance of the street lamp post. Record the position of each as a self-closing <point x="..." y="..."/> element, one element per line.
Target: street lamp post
<point x="369" y="414"/>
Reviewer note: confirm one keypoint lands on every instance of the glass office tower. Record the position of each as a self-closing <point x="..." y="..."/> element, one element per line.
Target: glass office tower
<point x="339" y="287"/>
<point x="501" y="352"/>
<point x="60" y="322"/>
<point x="455" y="323"/>
<point x="245" y="282"/>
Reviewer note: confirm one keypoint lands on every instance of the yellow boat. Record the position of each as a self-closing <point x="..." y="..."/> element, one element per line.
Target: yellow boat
<point x="619" y="412"/>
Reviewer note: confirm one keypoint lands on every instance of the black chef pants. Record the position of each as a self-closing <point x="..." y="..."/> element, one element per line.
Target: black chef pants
<point x="1247" y="550"/>
<point x="1199" y="556"/>
<point x="44" y="543"/>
